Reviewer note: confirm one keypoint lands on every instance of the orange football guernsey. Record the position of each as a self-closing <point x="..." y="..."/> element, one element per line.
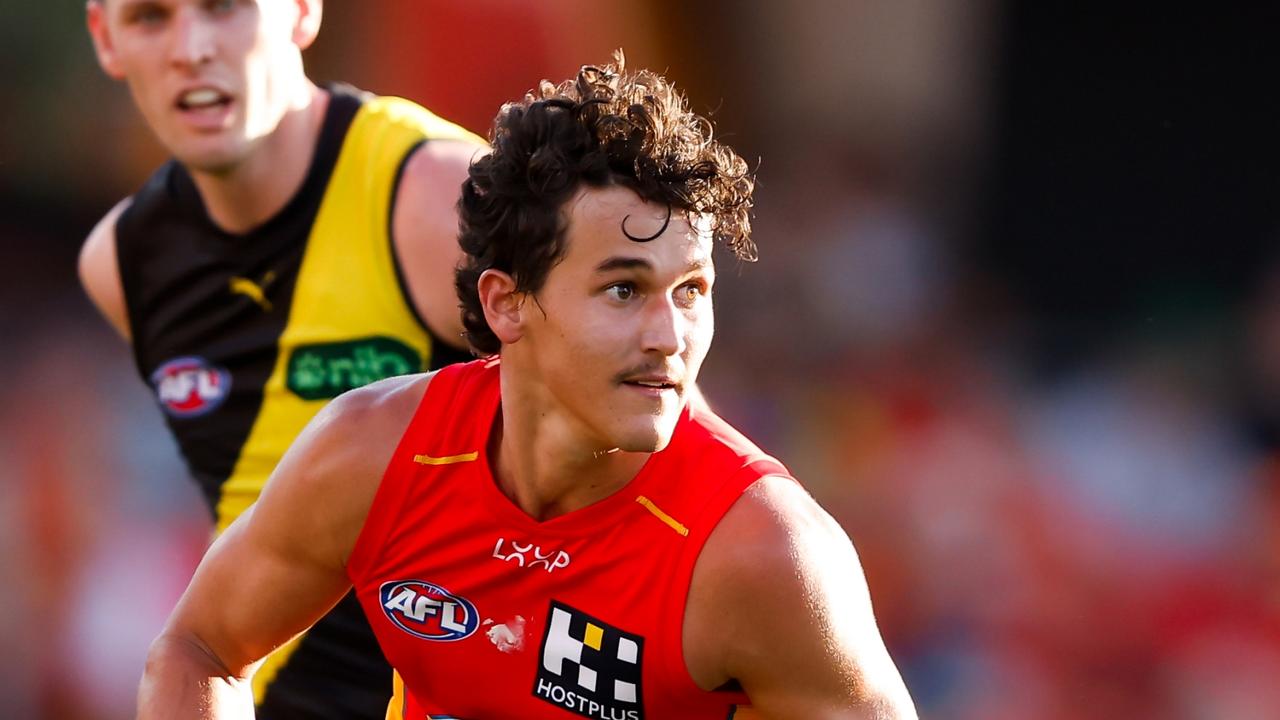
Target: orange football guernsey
<point x="487" y="613"/>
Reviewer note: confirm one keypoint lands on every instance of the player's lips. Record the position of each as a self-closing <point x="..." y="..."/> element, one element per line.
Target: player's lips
<point x="654" y="385"/>
<point x="204" y="106"/>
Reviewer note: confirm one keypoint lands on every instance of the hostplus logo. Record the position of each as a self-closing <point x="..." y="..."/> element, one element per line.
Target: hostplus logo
<point x="589" y="667"/>
<point x="326" y="370"/>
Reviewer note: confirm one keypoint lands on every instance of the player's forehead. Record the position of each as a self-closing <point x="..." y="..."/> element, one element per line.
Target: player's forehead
<point x="125" y="4"/>
<point x="616" y="222"/>
<point x="114" y="4"/>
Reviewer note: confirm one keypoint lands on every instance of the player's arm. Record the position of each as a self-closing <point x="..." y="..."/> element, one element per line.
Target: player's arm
<point x="424" y="228"/>
<point x="281" y="565"/>
<point x="779" y="604"/>
<point x="100" y="271"/>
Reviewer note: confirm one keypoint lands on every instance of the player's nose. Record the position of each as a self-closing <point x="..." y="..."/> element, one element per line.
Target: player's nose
<point x="663" y="328"/>
<point x="193" y="40"/>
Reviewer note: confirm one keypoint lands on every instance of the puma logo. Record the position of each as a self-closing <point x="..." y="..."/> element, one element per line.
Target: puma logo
<point x="255" y="291"/>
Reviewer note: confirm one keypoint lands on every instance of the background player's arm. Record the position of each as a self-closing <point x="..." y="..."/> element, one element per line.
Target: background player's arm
<point x="281" y="565"/>
<point x="425" y="231"/>
<point x="779" y="603"/>
<point x="100" y="270"/>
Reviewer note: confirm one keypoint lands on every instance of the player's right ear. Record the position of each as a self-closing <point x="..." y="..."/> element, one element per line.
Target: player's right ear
<point x="503" y="305"/>
<point x="96" y="18"/>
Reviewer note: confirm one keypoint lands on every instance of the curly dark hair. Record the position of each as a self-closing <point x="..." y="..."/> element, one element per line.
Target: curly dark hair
<point x="605" y="127"/>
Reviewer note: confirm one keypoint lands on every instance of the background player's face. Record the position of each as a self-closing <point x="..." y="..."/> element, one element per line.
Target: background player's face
<point x="622" y="316"/>
<point x="211" y="77"/>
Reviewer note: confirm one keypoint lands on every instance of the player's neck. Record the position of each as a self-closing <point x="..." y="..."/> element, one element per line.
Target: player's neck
<point x="546" y="464"/>
<point x="258" y="188"/>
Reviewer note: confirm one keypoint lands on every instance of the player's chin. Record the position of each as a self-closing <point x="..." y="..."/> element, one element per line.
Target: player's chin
<point x="211" y="155"/>
<point x="651" y="433"/>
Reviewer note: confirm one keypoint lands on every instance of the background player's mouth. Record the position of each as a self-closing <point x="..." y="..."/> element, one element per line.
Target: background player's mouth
<point x="203" y="102"/>
<point x="206" y="108"/>
<point x="202" y="98"/>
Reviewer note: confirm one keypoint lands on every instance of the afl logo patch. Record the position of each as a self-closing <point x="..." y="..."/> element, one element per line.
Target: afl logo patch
<point x="190" y="386"/>
<point x="428" y="611"/>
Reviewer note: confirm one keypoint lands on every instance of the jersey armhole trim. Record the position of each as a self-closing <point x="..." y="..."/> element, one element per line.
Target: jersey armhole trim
<point x="126" y="270"/>
<point x="401" y="281"/>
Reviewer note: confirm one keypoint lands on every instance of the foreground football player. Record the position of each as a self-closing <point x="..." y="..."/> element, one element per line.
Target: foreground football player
<point x="562" y="529"/>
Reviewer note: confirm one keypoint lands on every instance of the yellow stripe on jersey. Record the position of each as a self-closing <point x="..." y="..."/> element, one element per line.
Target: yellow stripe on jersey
<point x="658" y="513"/>
<point x="347" y="287"/>
<point x="446" y="460"/>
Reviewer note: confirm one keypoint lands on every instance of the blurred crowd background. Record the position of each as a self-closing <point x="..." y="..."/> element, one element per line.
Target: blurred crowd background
<point x="1016" y="323"/>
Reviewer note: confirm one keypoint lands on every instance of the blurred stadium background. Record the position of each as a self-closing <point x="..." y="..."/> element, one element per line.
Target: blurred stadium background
<point x="1016" y="323"/>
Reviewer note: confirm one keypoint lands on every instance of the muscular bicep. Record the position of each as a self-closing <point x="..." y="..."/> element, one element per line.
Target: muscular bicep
<point x="99" y="271"/>
<point x="281" y="565"/>
<point x="251" y="594"/>
<point x="806" y="645"/>
<point x="274" y="572"/>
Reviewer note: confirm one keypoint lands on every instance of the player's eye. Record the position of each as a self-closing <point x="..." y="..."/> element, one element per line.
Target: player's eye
<point x="146" y="14"/>
<point x="621" y="292"/>
<point x="688" y="294"/>
<point x="219" y="7"/>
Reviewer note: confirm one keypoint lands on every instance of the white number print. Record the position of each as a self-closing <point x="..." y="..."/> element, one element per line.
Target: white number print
<point x="530" y="555"/>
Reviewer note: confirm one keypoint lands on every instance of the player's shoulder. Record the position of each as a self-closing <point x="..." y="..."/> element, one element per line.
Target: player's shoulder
<point x="438" y="167"/>
<point x="103" y="235"/>
<point x="99" y="269"/>
<point x="373" y="408"/>
<point x="774" y="527"/>
<point x="340" y="457"/>
<point x="774" y="545"/>
<point x="776" y="541"/>
<point x="399" y="111"/>
<point x="441" y="161"/>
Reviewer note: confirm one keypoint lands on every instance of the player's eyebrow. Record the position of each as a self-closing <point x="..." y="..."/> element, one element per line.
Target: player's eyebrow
<point x="129" y="8"/>
<point x="623" y="263"/>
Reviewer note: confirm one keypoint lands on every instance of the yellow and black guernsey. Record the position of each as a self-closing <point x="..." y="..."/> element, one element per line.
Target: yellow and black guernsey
<point x="244" y="338"/>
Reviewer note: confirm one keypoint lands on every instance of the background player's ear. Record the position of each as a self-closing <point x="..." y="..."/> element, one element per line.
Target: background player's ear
<point x="308" y="24"/>
<point x="96" y="18"/>
<point x="503" y="305"/>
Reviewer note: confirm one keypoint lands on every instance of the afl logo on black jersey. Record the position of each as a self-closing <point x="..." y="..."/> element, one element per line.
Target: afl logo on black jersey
<point x="190" y="386"/>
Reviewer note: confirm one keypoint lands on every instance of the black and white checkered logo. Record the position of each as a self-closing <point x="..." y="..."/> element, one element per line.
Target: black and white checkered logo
<point x="589" y="667"/>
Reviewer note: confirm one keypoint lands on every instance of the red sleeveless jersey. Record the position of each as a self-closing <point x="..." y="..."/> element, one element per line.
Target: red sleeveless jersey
<point x="488" y="613"/>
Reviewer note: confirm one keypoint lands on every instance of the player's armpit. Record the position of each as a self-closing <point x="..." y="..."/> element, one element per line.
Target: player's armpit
<point x="424" y="229"/>
<point x="281" y="565"/>
<point x="100" y="271"/>
<point x="779" y="604"/>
